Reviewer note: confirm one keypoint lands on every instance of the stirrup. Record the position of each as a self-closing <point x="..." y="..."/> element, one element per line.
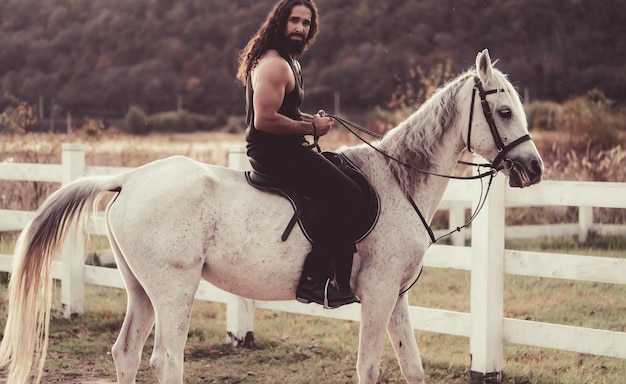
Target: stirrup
<point x="320" y="293"/>
<point x="326" y="306"/>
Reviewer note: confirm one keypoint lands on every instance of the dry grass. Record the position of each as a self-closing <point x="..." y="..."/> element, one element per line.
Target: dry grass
<point x="302" y="349"/>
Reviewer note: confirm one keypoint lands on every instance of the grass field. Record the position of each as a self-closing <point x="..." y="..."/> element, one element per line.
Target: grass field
<point x="292" y="348"/>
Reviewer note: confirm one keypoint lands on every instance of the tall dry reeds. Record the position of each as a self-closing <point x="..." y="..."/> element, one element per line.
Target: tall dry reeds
<point x="579" y="140"/>
<point x="582" y="139"/>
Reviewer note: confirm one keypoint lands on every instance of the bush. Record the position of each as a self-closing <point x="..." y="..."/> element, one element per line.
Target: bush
<point x="136" y="121"/>
<point x="592" y="121"/>
<point x="178" y="121"/>
<point x="17" y="117"/>
<point x="585" y="124"/>
<point x="543" y="115"/>
<point x="219" y="121"/>
<point x="92" y="129"/>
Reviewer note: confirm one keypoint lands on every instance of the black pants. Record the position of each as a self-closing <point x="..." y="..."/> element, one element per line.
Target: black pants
<point x="311" y="174"/>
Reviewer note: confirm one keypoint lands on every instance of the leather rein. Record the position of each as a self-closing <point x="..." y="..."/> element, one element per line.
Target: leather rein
<point x="499" y="163"/>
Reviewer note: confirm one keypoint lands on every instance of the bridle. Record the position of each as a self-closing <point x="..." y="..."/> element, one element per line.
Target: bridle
<point x="500" y="162"/>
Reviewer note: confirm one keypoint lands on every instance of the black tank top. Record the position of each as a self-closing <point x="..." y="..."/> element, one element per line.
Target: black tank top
<point x="290" y="107"/>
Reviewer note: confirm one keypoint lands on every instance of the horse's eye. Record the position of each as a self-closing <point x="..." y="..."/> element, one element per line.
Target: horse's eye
<point x="505" y="113"/>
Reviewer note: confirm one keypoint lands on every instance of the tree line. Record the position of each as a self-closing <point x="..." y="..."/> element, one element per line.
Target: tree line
<point x="100" y="57"/>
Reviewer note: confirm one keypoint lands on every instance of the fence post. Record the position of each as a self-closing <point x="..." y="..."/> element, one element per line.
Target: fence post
<point x="239" y="311"/>
<point x="73" y="278"/>
<point x="585" y="221"/>
<point x="487" y="286"/>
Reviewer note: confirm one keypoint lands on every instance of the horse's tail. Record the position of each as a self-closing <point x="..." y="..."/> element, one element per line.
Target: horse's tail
<point x="25" y="340"/>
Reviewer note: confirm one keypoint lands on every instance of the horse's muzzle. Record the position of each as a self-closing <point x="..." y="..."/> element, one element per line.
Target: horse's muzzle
<point x="525" y="172"/>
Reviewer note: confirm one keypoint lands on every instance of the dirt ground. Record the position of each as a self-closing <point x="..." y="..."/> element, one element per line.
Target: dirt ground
<point x="75" y="381"/>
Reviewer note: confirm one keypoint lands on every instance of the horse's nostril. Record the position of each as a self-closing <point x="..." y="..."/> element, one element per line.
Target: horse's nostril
<point x="535" y="170"/>
<point x="536" y="166"/>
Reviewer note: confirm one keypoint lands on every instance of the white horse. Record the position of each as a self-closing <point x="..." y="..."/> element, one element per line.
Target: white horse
<point x="176" y="221"/>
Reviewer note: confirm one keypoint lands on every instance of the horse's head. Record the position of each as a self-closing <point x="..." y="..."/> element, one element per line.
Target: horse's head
<point x="497" y="127"/>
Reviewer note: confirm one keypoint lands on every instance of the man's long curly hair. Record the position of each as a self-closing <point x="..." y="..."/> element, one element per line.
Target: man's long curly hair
<point x="271" y="35"/>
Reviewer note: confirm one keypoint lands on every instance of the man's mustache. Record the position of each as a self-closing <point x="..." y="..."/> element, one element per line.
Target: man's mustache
<point x="296" y="34"/>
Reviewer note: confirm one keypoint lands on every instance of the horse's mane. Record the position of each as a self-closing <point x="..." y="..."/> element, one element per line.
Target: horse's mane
<point x="417" y="139"/>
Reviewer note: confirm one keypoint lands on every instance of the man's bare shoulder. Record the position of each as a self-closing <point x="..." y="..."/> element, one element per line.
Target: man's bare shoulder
<point x="274" y="65"/>
<point x="272" y="57"/>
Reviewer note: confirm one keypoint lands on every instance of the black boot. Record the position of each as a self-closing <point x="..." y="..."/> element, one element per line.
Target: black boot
<point x="323" y="292"/>
<point x="316" y="287"/>
<point x="342" y="267"/>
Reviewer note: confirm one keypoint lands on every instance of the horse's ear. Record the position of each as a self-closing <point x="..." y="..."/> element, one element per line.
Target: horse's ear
<point x="483" y="65"/>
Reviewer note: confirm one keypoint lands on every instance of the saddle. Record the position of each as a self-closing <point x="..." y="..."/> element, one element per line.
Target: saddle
<point x="308" y="213"/>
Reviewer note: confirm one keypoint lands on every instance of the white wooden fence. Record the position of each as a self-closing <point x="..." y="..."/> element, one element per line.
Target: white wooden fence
<point x="486" y="259"/>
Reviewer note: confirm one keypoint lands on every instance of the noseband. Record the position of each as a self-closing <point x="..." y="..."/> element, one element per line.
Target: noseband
<point x="500" y="162"/>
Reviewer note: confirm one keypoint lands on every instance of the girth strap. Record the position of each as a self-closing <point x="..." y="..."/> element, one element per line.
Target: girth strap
<point x="292" y="223"/>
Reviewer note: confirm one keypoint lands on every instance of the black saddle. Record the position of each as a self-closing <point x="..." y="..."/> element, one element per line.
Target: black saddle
<point x="308" y="213"/>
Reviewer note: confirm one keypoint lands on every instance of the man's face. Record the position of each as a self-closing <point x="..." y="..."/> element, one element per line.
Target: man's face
<point x="297" y="29"/>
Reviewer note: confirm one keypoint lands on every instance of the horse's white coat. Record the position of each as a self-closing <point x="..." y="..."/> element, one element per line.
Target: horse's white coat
<point x="176" y="221"/>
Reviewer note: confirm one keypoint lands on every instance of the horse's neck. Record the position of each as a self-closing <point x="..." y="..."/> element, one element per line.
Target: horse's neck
<point x="429" y="142"/>
<point x="429" y="194"/>
<point x="426" y="191"/>
<point x="397" y="179"/>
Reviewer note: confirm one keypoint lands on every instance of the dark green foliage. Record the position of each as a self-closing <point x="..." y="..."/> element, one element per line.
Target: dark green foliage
<point x="171" y="122"/>
<point x="136" y="121"/>
<point x="544" y="115"/>
<point x="96" y="58"/>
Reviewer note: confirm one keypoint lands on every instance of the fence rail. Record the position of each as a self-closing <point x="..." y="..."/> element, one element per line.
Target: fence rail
<point x="486" y="259"/>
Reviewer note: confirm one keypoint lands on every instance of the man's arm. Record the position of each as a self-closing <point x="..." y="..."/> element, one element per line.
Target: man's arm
<point x="272" y="79"/>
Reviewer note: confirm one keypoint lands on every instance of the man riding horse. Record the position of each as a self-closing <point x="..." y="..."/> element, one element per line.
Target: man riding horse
<point x="277" y="146"/>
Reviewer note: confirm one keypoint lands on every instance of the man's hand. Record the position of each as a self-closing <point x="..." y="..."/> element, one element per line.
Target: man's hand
<point x="322" y="123"/>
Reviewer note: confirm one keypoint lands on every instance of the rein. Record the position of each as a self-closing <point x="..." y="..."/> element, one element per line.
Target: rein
<point x="499" y="163"/>
<point x="351" y="127"/>
<point x="491" y="173"/>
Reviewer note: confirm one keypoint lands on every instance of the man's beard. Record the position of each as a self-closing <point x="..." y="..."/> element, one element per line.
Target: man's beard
<point x="294" y="47"/>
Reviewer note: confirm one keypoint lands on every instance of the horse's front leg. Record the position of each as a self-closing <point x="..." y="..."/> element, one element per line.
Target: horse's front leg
<point x="403" y="341"/>
<point x="375" y="313"/>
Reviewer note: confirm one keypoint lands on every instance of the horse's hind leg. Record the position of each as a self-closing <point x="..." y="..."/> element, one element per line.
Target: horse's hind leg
<point x="172" y="292"/>
<point x="403" y="341"/>
<point x="137" y="324"/>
